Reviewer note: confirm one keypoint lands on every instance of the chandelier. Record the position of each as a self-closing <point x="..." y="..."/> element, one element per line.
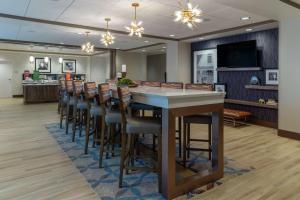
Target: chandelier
<point x="107" y="38"/>
<point x="88" y="47"/>
<point x="188" y="15"/>
<point x="135" y="27"/>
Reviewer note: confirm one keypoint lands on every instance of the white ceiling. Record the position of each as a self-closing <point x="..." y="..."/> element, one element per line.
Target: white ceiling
<point x="157" y="16"/>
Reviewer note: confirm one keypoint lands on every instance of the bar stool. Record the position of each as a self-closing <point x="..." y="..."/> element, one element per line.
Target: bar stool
<point x="196" y="119"/>
<point x="145" y="107"/>
<point x="94" y="112"/>
<point x="70" y="103"/>
<point x="61" y="93"/>
<point x="176" y="85"/>
<point x="131" y="129"/>
<point x="62" y="100"/>
<point x="109" y="121"/>
<point x="79" y="108"/>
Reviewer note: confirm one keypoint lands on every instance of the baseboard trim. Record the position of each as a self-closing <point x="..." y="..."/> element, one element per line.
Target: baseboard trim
<point x="289" y="134"/>
<point x="265" y="123"/>
<point x="18" y="96"/>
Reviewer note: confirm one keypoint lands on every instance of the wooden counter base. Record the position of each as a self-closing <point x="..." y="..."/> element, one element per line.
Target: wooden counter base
<point x="40" y="93"/>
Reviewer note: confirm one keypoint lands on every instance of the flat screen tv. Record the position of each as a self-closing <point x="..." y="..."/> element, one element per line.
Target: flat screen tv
<point x="237" y="55"/>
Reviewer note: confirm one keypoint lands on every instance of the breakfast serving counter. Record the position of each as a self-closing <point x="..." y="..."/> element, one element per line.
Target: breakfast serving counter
<point x="40" y="93"/>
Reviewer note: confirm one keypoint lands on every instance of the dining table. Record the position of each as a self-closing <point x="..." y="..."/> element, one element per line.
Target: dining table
<point x="179" y="103"/>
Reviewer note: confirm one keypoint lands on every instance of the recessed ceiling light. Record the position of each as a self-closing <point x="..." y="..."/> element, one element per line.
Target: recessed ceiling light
<point x="62" y="43"/>
<point x="143" y="50"/>
<point x="249" y="29"/>
<point x="146" y="41"/>
<point x="245" y="18"/>
<point x="164" y="47"/>
<point x="172" y="35"/>
<point x="79" y="33"/>
<point x="201" y="38"/>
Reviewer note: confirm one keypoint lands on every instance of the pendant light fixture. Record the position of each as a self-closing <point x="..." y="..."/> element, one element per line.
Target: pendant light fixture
<point x="188" y="14"/>
<point x="135" y="27"/>
<point x="88" y="47"/>
<point x="107" y="38"/>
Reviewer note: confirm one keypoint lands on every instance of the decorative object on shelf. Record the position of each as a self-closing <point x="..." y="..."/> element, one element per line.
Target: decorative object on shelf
<point x="261" y="101"/>
<point x="271" y="102"/>
<point x="188" y="14"/>
<point x="88" y="47"/>
<point x="68" y="66"/>
<point x="272" y="76"/>
<point x="205" y="65"/>
<point x="254" y="80"/>
<point x="220" y="87"/>
<point x="42" y="66"/>
<point x="126" y="81"/>
<point x="31" y="59"/>
<point x="135" y="27"/>
<point x="107" y="38"/>
<point x="60" y="60"/>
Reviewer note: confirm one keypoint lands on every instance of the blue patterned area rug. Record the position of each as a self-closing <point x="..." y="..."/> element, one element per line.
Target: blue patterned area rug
<point x="105" y="180"/>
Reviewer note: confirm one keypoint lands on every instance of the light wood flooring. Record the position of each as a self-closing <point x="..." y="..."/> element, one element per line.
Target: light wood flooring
<point x="32" y="165"/>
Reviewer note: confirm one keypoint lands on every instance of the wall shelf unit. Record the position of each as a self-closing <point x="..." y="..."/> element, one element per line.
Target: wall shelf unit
<point x="250" y="103"/>
<point x="262" y="87"/>
<point x="227" y="69"/>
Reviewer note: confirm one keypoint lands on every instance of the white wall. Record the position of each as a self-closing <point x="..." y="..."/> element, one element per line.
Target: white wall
<point x="289" y="66"/>
<point x="99" y="68"/>
<point x="20" y="62"/>
<point x="136" y="64"/>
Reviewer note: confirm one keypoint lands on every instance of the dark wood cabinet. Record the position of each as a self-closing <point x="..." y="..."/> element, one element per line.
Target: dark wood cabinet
<point x="40" y="93"/>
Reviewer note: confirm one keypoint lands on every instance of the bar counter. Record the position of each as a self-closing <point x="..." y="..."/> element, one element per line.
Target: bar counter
<point x="40" y="93"/>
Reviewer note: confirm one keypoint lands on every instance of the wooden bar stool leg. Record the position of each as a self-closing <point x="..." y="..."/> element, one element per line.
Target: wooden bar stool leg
<point x="108" y="137"/>
<point x="87" y="133"/>
<point x="188" y="139"/>
<point x="184" y="143"/>
<point x="122" y="161"/>
<point x="74" y="123"/>
<point x="80" y="121"/>
<point x="102" y="143"/>
<point x="94" y="130"/>
<point x="67" y="118"/>
<point x="113" y="140"/>
<point x="61" y="114"/>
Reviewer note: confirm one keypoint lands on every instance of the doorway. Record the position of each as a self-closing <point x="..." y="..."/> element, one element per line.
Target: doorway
<point x="5" y="79"/>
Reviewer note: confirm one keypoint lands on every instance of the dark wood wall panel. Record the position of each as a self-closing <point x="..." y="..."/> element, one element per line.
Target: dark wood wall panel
<point x="267" y="45"/>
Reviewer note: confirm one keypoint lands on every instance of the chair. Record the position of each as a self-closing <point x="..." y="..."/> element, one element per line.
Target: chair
<point x="131" y="129"/>
<point x="94" y="112"/>
<point x="70" y="103"/>
<point x="196" y="119"/>
<point x="79" y="108"/>
<point x="109" y="120"/>
<point x="176" y="85"/>
<point x="62" y="100"/>
<point x="61" y="93"/>
<point x="143" y="107"/>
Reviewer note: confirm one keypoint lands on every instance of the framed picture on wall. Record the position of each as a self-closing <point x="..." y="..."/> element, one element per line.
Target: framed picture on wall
<point x="68" y="66"/>
<point x="272" y="77"/>
<point x="42" y="66"/>
<point x="220" y="87"/>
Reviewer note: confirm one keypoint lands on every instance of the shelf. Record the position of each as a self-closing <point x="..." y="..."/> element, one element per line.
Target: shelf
<point x="262" y="87"/>
<point x="228" y="69"/>
<point x="250" y="103"/>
